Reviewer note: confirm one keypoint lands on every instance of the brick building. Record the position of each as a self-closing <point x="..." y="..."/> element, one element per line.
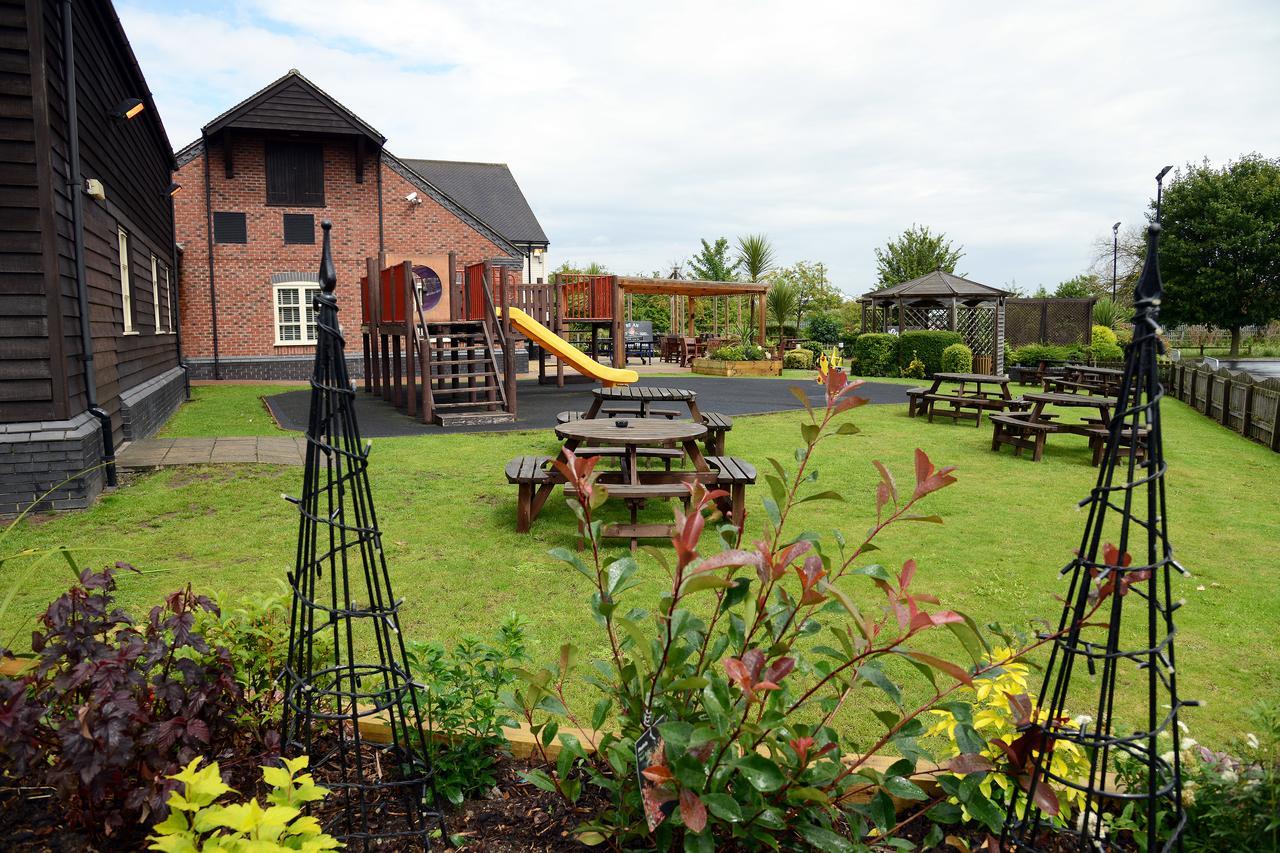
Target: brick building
<point x="256" y="186"/>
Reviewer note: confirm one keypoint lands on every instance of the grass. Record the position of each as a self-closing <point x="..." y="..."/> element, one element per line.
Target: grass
<point x="448" y="518"/>
<point x="226" y="410"/>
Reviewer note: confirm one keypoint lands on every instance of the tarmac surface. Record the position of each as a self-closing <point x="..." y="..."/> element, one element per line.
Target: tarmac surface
<point x="537" y="405"/>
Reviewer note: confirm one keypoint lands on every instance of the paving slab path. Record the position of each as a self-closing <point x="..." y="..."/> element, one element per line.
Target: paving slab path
<point x="165" y="452"/>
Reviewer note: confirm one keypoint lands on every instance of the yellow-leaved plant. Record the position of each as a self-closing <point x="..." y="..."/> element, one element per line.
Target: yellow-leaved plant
<point x="993" y="718"/>
<point x="197" y="824"/>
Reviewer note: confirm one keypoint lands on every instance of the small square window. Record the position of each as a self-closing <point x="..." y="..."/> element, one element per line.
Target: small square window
<point x="230" y="227"/>
<point x="299" y="228"/>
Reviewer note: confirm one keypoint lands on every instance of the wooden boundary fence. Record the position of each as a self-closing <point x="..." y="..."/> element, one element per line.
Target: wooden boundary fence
<point x="1240" y="402"/>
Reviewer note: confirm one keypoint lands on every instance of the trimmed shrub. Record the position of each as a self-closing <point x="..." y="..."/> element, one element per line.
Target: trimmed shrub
<point x="849" y="343"/>
<point x="927" y="346"/>
<point x="752" y="352"/>
<point x="798" y="359"/>
<point x="1107" y="352"/>
<point x="876" y="353"/>
<point x="823" y="328"/>
<point x="814" y="347"/>
<point x="1103" y="335"/>
<point x="1034" y="353"/>
<point x="914" y="368"/>
<point x="957" y="358"/>
<point x="732" y="352"/>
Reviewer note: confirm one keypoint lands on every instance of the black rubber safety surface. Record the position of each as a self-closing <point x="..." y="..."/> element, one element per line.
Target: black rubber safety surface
<point x="537" y="405"/>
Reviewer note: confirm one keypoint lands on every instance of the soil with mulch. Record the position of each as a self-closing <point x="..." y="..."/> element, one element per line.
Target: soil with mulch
<point x="516" y="817"/>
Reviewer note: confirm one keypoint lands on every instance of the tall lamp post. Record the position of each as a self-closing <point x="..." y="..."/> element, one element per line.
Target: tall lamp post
<point x="1115" y="254"/>
<point x="1159" y="181"/>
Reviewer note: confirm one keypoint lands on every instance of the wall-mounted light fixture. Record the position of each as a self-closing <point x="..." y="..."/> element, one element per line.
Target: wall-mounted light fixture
<point x="128" y="108"/>
<point x="94" y="189"/>
<point x="174" y="188"/>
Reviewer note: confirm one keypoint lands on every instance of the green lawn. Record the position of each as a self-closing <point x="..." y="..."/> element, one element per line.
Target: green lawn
<point x="448" y="517"/>
<point x="226" y="410"/>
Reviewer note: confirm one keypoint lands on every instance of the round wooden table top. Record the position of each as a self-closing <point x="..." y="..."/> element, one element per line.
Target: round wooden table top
<point x="609" y="431"/>
<point x="643" y="394"/>
<point x="1058" y="399"/>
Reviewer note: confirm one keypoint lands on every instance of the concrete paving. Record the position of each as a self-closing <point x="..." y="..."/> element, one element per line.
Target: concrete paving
<point x="165" y="452"/>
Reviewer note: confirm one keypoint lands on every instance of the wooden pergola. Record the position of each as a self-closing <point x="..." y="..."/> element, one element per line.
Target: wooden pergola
<point x="691" y="289"/>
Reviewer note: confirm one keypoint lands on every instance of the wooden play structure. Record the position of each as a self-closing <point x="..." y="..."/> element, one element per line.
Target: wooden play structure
<point x="454" y="362"/>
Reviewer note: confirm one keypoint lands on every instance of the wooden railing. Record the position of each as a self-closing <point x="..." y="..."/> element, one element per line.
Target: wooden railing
<point x="1240" y="402"/>
<point x="585" y="297"/>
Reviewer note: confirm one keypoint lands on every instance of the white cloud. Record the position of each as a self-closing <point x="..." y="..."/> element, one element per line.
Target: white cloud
<point x="635" y="129"/>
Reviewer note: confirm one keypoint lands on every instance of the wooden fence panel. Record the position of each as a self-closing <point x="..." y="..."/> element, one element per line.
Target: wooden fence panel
<point x="1236" y="400"/>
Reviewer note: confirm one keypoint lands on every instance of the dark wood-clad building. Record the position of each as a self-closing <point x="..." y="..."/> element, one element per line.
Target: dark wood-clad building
<point x="88" y="318"/>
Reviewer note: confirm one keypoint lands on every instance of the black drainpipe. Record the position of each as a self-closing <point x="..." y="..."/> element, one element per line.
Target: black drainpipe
<point x="208" y="227"/>
<point x="75" y="185"/>
<point x="175" y="306"/>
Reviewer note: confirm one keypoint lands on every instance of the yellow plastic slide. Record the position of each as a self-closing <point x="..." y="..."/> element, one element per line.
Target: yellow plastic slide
<point x="568" y="353"/>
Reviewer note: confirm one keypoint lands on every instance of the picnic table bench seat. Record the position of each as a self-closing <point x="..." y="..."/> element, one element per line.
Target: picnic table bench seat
<point x="1016" y="430"/>
<point x="630" y="412"/>
<point x="916" y="401"/>
<point x="735" y="475"/>
<point x="528" y="473"/>
<point x="1098" y="436"/>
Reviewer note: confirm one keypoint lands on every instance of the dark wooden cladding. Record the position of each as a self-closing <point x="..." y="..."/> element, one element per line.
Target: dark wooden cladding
<point x="41" y="366"/>
<point x="293" y="105"/>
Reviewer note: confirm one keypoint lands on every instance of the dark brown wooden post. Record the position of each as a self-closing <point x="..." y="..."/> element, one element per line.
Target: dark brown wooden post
<point x="759" y="303"/>
<point x="1226" y="401"/>
<point x="373" y="382"/>
<point x="558" y="291"/>
<point x="618" y="325"/>
<point x="410" y="338"/>
<point x="455" y="288"/>
<point x="1246" y="422"/>
<point x="508" y="344"/>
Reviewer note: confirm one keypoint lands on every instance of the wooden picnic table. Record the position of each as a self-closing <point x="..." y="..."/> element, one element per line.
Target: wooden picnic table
<point x="1085" y="378"/>
<point x="637" y="400"/>
<point x="1030" y="430"/>
<point x="969" y="400"/>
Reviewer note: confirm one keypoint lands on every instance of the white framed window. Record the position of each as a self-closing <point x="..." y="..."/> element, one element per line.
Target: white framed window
<point x="125" y="288"/>
<point x="155" y="296"/>
<point x="171" y="302"/>
<point x="294" y="314"/>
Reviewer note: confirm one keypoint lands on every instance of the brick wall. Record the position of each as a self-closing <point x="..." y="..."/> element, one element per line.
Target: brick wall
<point x="35" y="457"/>
<point x="242" y="272"/>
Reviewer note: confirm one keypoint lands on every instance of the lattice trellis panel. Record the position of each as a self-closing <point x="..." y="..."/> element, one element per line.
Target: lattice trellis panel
<point x="1048" y="321"/>
<point x="978" y="328"/>
<point x="1022" y="322"/>
<point x="933" y="319"/>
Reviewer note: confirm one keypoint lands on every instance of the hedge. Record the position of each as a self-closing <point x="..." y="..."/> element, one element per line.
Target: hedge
<point x="957" y="358"/>
<point x="927" y="346"/>
<point x="876" y="353"/>
<point x="798" y="359"/>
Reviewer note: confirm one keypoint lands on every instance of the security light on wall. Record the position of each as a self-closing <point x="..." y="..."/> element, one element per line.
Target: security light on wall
<point x="412" y="198"/>
<point x="94" y="189"/>
<point x="128" y="108"/>
<point x="174" y="188"/>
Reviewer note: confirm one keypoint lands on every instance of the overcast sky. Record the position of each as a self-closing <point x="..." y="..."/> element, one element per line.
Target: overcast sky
<point x="634" y="129"/>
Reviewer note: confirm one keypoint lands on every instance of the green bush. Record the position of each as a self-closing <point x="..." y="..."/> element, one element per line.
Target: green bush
<point x="731" y="352"/>
<point x="914" y="368"/>
<point x="1034" y="353"/>
<point x="1108" y="313"/>
<point x="823" y="328"/>
<point x="798" y="359"/>
<point x="927" y="346"/>
<point x="751" y="352"/>
<point x="814" y="347"/>
<point x="1107" y="352"/>
<point x="957" y="358"/>
<point x="1124" y="335"/>
<point x="849" y="343"/>
<point x="876" y="354"/>
<point x="1103" y="335"/>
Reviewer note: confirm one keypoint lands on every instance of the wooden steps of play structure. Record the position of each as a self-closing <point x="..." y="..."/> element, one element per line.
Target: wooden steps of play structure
<point x="448" y="419"/>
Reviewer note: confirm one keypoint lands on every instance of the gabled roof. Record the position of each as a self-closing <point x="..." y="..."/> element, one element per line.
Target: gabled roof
<point x="294" y="104"/>
<point x="937" y="285"/>
<point x="489" y="191"/>
<point x="450" y="204"/>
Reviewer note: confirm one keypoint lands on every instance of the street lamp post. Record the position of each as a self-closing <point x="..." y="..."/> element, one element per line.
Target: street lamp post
<point x="1115" y="254"/>
<point x="1159" y="180"/>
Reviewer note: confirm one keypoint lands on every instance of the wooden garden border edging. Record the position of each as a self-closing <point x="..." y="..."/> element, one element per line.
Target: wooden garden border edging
<point x="720" y="367"/>
<point x="1234" y="398"/>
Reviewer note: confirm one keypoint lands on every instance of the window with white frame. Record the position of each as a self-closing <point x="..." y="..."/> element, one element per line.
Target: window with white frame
<point x="171" y="302"/>
<point x="295" y="316"/>
<point x="126" y="295"/>
<point x="155" y="296"/>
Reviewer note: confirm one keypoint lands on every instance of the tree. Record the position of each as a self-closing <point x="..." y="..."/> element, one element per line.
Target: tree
<point x="781" y="303"/>
<point x="755" y="256"/>
<point x="813" y="292"/>
<point x="1130" y="252"/>
<point x="917" y="252"/>
<point x="593" y="268"/>
<point x="712" y="263"/>
<point x="1083" y="286"/>
<point x="1220" y="249"/>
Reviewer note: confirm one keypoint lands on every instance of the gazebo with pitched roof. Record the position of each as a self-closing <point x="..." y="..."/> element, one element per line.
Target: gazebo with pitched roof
<point x="942" y="301"/>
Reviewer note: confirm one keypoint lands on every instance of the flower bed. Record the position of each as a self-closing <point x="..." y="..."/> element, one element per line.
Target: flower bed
<point x="719" y="367"/>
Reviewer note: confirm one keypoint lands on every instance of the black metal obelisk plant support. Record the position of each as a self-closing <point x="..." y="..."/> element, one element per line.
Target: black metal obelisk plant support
<point x="347" y="662"/>
<point x="1124" y="559"/>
